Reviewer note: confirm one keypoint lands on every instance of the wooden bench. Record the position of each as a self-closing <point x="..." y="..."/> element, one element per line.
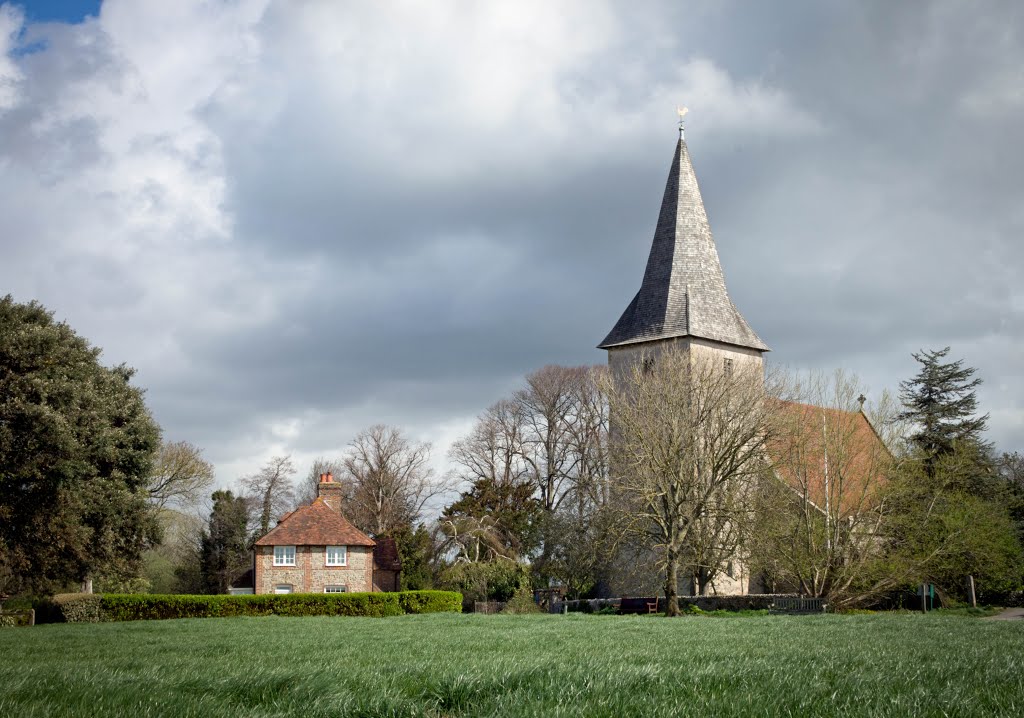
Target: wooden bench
<point x="797" y="605"/>
<point x="638" y="605"/>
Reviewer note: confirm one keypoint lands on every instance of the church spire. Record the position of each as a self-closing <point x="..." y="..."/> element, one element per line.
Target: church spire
<point x="683" y="292"/>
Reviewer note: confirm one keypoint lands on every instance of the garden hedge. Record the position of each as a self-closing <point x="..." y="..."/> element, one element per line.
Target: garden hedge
<point x="94" y="608"/>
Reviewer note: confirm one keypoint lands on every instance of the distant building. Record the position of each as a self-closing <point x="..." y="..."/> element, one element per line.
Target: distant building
<point x="315" y="549"/>
<point x="683" y="302"/>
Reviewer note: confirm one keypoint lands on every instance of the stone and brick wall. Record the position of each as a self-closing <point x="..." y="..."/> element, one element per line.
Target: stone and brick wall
<point x="310" y="574"/>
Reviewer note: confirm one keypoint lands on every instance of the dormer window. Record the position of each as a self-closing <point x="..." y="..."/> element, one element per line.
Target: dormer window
<point x="284" y="555"/>
<point x="337" y="556"/>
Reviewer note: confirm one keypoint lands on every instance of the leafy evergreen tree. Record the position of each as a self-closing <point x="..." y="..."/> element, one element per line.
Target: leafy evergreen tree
<point x="942" y="404"/>
<point x="416" y="551"/>
<point x="224" y="551"/>
<point x="502" y="518"/>
<point x="76" y="449"/>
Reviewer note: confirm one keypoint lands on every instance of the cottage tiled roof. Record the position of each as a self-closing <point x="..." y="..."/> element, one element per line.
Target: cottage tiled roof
<point x="683" y="292"/>
<point x="833" y="457"/>
<point x="385" y="554"/>
<point x="315" y="525"/>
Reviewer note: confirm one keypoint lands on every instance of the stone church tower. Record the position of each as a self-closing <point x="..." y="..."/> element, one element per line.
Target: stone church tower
<point x="683" y="299"/>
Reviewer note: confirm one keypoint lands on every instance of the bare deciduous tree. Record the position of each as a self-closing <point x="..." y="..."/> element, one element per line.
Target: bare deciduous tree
<point x="271" y="491"/>
<point x="180" y="476"/>
<point x="389" y="479"/>
<point x="546" y="405"/>
<point x="685" y="435"/>
<point x="823" y="512"/>
<point x="493" y="451"/>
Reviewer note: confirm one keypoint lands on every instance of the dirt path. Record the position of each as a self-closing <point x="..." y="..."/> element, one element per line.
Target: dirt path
<point x="1010" y="614"/>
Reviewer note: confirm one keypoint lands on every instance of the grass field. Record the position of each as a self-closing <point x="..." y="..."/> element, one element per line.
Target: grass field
<point x="455" y="665"/>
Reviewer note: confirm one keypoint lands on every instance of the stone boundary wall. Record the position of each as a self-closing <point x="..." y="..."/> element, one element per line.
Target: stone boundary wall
<point x="750" y="602"/>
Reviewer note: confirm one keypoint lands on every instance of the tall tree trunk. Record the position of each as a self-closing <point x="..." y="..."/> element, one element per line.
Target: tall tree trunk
<point x="671" y="582"/>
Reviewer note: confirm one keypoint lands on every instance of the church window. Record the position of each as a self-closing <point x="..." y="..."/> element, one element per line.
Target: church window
<point x="728" y="367"/>
<point x="648" y="364"/>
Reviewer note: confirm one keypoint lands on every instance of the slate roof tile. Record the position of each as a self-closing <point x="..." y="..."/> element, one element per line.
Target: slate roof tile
<point x="683" y="291"/>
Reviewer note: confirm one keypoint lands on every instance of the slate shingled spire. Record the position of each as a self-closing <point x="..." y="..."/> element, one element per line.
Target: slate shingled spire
<point x="683" y="292"/>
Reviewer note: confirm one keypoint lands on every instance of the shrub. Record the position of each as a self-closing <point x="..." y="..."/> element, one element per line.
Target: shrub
<point x="430" y="601"/>
<point x="69" y="608"/>
<point x="522" y="602"/>
<point x="77" y="608"/>
<point x="485" y="580"/>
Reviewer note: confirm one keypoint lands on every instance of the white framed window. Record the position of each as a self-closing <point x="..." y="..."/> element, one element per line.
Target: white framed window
<point x="335" y="589"/>
<point x="283" y="588"/>
<point x="337" y="556"/>
<point x="284" y="555"/>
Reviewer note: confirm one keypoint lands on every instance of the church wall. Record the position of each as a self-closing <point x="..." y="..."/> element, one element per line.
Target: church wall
<point x="621" y="360"/>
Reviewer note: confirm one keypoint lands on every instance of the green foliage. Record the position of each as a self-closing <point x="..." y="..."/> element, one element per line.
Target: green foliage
<point x="430" y="601"/>
<point x="945" y="531"/>
<point x="224" y="551"/>
<point x="416" y="551"/>
<point x="485" y="580"/>
<point x="76" y="449"/>
<point x="93" y="608"/>
<point x="69" y="608"/>
<point x="505" y="516"/>
<point x="522" y="603"/>
<point x="941" y="402"/>
<point x="883" y="666"/>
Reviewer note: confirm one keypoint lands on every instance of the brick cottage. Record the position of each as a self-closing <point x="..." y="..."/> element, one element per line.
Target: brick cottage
<point x="315" y="549"/>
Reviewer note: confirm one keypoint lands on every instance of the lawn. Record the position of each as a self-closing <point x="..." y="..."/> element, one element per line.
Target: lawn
<point x="577" y="665"/>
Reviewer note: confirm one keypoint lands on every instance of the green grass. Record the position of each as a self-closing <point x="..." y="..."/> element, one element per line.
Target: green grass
<point x="576" y="665"/>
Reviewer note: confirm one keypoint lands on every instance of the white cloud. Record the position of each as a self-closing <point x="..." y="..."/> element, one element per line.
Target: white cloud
<point x="217" y="192"/>
<point x="11" y="21"/>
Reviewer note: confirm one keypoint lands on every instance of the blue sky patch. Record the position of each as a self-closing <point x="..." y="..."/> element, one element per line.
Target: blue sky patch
<point x="70" y="11"/>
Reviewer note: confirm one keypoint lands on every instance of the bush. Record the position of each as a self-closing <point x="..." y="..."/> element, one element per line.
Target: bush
<point x="90" y="608"/>
<point x="522" y="602"/>
<point x="485" y="580"/>
<point x="430" y="601"/>
<point x="69" y="608"/>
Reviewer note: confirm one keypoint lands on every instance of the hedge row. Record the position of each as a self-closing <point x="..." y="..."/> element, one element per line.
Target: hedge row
<point x="94" y="608"/>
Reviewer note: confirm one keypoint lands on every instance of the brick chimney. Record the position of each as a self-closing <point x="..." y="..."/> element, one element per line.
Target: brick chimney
<point x="330" y="491"/>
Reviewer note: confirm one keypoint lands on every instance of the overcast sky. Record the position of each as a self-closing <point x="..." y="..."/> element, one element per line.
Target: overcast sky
<point x="298" y="218"/>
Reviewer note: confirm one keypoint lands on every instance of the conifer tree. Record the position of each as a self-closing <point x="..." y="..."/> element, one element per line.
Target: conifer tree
<point x="223" y="552"/>
<point x="942" y="404"/>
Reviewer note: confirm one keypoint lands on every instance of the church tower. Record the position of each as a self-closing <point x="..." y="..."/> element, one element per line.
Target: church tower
<point x="683" y="299"/>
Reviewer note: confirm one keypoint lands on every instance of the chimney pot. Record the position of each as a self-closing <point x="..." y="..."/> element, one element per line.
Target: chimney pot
<point x="330" y="476"/>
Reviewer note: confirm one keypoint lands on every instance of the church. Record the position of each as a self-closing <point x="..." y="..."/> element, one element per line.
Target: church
<point x="683" y="303"/>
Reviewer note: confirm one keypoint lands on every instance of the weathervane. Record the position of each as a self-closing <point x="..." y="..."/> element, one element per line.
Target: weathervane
<point x="682" y="123"/>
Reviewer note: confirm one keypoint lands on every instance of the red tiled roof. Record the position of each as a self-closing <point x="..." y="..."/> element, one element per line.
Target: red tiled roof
<point x="385" y="554"/>
<point x="816" y="443"/>
<point x="315" y="525"/>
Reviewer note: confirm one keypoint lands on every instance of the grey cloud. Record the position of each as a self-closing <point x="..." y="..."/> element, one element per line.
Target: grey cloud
<point x="385" y="288"/>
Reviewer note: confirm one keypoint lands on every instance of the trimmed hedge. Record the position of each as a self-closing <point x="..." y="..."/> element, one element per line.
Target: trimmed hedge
<point x="93" y="608"/>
